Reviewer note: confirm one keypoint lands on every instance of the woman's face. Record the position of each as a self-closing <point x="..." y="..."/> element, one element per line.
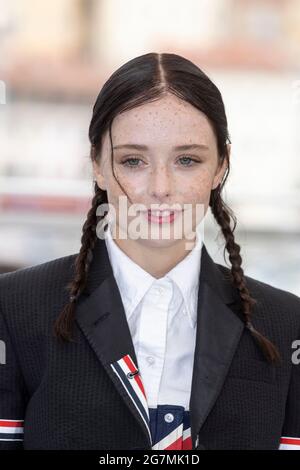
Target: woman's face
<point x="165" y="153"/>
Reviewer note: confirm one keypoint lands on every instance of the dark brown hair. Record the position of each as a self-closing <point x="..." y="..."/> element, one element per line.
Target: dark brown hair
<point x="141" y="80"/>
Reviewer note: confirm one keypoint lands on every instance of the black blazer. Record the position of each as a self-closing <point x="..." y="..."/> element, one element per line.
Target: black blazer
<point x="68" y="395"/>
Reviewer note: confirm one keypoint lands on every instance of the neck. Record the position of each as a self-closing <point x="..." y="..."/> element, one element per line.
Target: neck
<point x="157" y="261"/>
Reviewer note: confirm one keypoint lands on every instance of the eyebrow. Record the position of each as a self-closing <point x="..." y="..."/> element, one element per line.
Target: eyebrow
<point x="178" y="147"/>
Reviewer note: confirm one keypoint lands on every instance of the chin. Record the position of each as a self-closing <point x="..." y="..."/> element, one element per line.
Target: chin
<point x="159" y="243"/>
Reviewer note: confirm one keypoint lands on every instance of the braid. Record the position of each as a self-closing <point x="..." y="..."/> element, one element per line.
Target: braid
<point x="223" y="215"/>
<point x="63" y="324"/>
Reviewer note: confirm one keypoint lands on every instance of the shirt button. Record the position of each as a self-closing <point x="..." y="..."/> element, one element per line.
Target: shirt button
<point x="150" y="360"/>
<point x="169" y="417"/>
<point x="159" y="289"/>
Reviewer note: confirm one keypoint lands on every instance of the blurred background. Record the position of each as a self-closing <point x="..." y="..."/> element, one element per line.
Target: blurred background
<point x="55" y="56"/>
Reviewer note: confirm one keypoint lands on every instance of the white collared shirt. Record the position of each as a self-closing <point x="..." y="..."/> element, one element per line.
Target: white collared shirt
<point x="162" y="316"/>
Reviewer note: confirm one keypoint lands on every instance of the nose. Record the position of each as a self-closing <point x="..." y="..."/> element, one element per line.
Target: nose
<point x="160" y="183"/>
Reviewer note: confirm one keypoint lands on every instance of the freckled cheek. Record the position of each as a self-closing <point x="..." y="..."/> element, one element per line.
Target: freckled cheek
<point x="129" y="186"/>
<point x="197" y="190"/>
<point x="135" y="185"/>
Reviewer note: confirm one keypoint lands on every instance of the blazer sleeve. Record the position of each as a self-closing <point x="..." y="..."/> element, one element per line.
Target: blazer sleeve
<point x="12" y="393"/>
<point x="290" y="435"/>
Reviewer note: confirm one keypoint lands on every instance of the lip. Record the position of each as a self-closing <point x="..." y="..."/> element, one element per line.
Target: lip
<point x="160" y="219"/>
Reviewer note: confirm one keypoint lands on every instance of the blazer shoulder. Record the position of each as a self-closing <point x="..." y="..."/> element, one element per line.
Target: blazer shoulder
<point x="37" y="279"/>
<point x="265" y="289"/>
<point x="279" y="302"/>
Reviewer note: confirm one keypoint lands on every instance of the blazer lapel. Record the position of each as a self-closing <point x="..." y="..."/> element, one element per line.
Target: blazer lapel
<point x="101" y="317"/>
<point x="218" y="333"/>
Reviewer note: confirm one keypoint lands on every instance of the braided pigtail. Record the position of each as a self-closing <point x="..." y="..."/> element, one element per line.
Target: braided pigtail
<point x="223" y="215"/>
<point x="62" y="325"/>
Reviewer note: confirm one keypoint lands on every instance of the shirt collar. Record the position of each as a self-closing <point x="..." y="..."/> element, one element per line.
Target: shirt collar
<point x="186" y="276"/>
<point x="133" y="281"/>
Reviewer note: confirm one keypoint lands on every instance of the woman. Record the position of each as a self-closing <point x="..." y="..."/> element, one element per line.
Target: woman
<point x="143" y="342"/>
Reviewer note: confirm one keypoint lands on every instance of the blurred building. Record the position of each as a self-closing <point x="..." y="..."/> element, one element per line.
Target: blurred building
<point x="68" y="46"/>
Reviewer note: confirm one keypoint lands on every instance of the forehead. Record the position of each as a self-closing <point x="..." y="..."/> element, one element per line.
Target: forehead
<point x="168" y="119"/>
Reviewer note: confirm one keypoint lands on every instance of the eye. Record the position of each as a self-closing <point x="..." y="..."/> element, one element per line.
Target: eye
<point x="133" y="162"/>
<point x="186" y="160"/>
<point x="128" y="162"/>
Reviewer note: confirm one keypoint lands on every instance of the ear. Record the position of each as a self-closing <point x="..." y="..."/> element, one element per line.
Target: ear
<point x="220" y="172"/>
<point x="99" y="177"/>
